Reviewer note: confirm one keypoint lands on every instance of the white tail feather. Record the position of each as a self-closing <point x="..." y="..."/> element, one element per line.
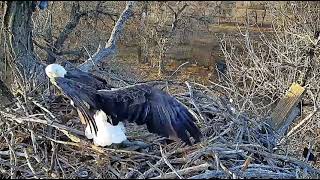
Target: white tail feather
<point x="107" y="133"/>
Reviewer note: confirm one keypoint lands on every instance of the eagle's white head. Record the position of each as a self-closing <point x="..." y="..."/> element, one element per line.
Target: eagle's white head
<point x="55" y="70"/>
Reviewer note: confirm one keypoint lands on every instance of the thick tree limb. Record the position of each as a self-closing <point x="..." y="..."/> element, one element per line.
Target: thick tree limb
<point x="56" y="55"/>
<point x="74" y="21"/>
<point x="68" y="29"/>
<point x="176" y="16"/>
<point x="110" y="47"/>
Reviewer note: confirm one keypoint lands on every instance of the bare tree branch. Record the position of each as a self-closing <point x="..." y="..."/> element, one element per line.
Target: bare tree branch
<point x="68" y="29"/>
<point x="176" y="16"/>
<point x="74" y="20"/>
<point x="110" y="47"/>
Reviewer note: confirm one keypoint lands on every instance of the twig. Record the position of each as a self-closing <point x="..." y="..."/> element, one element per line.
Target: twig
<point x="61" y="168"/>
<point x="309" y="151"/>
<point x="209" y="175"/>
<point x="29" y="163"/>
<point x="34" y="144"/>
<point x="216" y="157"/>
<point x="7" y="153"/>
<point x="285" y="158"/>
<point x="90" y="57"/>
<point x="225" y="169"/>
<point x="246" y="163"/>
<point x="185" y="171"/>
<point x="178" y="69"/>
<point x="13" y="158"/>
<point x="146" y="173"/>
<point x="293" y="130"/>
<point x="33" y="119"/>
<point x="80" y="142"/>
<point x="168" y="163"/>
<point x="230" y="127"/>
<point x="45" y="109"/>
<point x="250" y="173"/>
<point x="193" y="102"/>
<point x="54" y="151"/>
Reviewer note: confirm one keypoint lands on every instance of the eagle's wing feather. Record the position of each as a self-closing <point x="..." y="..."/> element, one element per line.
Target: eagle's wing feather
<point x="143" y="104"/>
<point x="87" y="78"/>
<point x="83" y="98"/>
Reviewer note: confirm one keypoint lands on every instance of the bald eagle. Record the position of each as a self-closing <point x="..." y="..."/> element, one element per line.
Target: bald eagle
<point x="142" y="104"/>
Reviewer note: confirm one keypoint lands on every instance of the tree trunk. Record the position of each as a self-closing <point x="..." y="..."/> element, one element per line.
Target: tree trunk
<point x="161" y="63"/>
<point x="139" y="54"/>
<point x="26" y="72"/>
<point x="49" y="38"/>
<point x="142" y="47"/>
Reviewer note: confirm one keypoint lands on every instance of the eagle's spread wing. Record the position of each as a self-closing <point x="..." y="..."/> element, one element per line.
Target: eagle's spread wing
<point x="87" y="78"/>
<point x="83" y="97"/>
<point x="143" y="104"/>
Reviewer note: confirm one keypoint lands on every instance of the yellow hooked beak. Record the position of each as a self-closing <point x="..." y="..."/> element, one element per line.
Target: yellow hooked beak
<point x="52" y="80"/>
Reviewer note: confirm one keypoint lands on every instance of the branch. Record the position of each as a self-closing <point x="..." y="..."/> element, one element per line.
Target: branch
<point x="189" y="170"/>
<point x="54" y="124"/>
<point x="74" y="21"/>
<point x="175" y="17"/>
<point x="180" y="10"/>
<point x="110" y="47"/>
<point x="110" y="15"/>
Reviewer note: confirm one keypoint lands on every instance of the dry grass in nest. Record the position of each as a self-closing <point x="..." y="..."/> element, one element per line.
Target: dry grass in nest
<point x="37" y="143"/>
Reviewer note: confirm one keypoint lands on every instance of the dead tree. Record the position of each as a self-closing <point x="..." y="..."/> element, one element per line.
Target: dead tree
<point x="27" y="72"/>
<point x="164" y="36"/>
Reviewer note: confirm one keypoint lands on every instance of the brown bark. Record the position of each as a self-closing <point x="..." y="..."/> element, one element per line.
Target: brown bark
<point x="26" y="71"/>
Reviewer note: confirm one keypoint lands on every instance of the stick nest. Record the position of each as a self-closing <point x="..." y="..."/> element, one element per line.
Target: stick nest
<point x="43" y="138"/>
